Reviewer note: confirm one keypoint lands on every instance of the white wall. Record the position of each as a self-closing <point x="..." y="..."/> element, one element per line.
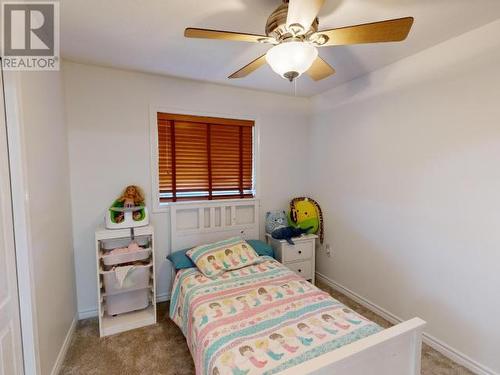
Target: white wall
<point x="49" y="211"/>
<point x="108" y="118"/>
<point x="406" y="165"/>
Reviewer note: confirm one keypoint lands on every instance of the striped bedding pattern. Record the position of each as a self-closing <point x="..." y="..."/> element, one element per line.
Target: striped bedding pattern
<point x="260" y="319"/>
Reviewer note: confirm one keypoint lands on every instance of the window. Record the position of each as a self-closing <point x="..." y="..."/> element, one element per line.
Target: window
<point x="204" y="158"/>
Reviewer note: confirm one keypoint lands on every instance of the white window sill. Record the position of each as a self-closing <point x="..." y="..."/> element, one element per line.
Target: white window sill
<point x="165" y="207"/>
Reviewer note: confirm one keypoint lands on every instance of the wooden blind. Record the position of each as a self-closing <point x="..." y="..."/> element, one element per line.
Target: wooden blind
<point x="204" y="158"/>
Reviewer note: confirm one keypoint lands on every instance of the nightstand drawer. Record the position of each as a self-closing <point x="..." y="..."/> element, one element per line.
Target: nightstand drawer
<point x="303" y="269"/>
<point x="299" y="251"/>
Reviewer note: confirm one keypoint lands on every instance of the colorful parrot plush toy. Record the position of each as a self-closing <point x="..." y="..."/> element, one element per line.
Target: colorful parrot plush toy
<point x="306" y="213"/>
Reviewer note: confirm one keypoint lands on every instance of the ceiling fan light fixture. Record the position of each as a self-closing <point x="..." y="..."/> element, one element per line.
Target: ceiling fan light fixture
<point x="291" y="59"/>
<point x="296" y="29"/>
<point x="318" y="39"/>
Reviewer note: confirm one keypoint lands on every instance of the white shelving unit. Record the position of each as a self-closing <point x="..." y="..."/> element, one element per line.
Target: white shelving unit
<point x="112" y="324"/>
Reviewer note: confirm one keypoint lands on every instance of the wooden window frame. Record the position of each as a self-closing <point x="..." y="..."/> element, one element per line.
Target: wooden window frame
<point x="157" y="206"/>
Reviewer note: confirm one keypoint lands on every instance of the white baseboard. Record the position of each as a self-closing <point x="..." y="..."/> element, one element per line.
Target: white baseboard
<point x="64" y="348"/>
<point x="430" y="340"/>
<point x="86" y="314"/>
<point x="92" y="313"/>
<point x="163" y="297"/>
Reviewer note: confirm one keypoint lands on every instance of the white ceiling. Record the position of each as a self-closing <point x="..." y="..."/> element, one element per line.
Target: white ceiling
<point x="147" y="35"/>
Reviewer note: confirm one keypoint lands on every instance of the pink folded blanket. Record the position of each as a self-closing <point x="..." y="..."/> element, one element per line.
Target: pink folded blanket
<point x="133" y="246"/>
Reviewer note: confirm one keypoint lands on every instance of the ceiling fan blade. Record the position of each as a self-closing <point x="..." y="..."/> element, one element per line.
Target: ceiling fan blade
<point x="192" y="32"/>
<point x="303" y="13"/>
<point x="320" y="69"/>
<point x="394" y="30"/>
<point x="249" y="68"/>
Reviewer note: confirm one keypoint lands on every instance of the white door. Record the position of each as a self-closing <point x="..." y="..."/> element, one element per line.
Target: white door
<point x="10" y="329"/>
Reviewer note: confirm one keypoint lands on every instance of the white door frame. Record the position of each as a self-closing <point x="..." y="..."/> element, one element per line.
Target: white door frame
<point x="17" y="159"/>
<point x="11" y="354"/>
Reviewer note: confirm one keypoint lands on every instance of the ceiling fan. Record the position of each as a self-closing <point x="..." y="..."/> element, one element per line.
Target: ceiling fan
<point x="292" y="29"/>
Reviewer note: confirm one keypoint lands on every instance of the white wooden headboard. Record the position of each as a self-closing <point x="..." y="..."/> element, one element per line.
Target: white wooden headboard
<point x="199" y="223"/>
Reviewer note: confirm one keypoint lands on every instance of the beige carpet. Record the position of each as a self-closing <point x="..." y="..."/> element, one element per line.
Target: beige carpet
<point x="162" y="349"/>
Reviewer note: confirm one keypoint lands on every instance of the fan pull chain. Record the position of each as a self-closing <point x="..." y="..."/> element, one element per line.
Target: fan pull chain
<point x="295" y="87"/>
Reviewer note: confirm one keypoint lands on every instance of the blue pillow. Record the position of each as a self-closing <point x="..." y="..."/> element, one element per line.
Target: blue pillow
<point x="180" y="260"/>
<point x="261" y="248"/>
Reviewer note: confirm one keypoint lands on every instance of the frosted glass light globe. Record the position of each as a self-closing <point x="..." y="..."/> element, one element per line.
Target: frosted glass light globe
<point x="291" y="59"/>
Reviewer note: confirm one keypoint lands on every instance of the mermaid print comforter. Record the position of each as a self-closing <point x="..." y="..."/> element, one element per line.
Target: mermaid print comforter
<point x="260" y="319"/>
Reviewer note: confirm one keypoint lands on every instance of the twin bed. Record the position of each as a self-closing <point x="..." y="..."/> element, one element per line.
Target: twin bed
<point x="265" y="319"/>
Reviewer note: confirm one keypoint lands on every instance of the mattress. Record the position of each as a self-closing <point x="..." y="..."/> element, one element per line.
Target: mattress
<point x="260" y="319"/>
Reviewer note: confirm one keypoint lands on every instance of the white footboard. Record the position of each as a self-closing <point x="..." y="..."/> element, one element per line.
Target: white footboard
<point x="394" y="351"/>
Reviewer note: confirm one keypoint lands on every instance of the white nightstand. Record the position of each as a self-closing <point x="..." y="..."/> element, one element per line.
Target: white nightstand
<point x="300" y="258"/>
